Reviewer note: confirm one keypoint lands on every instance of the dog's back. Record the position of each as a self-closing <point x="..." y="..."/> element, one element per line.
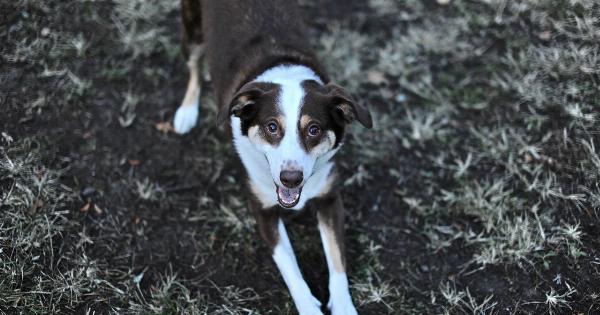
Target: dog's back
<point x="243" y="38"/>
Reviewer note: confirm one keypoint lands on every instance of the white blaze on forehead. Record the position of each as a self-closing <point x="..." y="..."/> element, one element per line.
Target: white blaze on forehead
<point x="289" y="152"/>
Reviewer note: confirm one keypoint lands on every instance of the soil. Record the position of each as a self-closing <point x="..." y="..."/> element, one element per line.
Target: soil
<point x="103" y="158"/>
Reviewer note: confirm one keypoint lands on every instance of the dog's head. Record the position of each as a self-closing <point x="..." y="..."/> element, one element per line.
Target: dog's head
<point x="298" y="128"/>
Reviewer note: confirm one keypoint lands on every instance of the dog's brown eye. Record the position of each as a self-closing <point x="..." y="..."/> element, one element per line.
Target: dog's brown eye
<point x="314" y="130"/>
<point x="272" y="127"/>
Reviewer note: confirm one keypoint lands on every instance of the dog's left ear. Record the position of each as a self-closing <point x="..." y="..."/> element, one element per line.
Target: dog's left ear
<point x="242" y="103"/>
<point x="345" y="109"/>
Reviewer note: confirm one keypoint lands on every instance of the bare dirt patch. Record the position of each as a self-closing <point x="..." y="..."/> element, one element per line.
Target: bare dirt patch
<point x="477" y="191"/>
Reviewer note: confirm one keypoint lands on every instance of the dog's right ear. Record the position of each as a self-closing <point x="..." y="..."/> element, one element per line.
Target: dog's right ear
<point x="243" y="103"/>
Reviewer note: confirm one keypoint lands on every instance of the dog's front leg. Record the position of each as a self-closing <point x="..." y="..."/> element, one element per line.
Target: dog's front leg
<point x="186" y="115"/>
<point x="273" y="231"/>
<point x="330" y="214"/>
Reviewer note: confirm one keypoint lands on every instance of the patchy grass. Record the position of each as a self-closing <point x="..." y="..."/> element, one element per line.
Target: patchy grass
<point x="476" y="192"/>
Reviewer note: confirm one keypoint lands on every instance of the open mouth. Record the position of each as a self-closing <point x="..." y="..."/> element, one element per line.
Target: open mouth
<point x="288" y="197"/>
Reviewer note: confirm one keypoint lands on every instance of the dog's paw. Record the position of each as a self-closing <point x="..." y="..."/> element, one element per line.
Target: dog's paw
<point x="341" y="305"/>
<point x="340" y="301"/>
<point x="309" y="305"/>
<point x="185" y="118"/>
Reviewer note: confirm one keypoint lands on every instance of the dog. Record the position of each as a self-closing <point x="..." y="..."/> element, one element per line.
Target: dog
<point x="286" y="119"/>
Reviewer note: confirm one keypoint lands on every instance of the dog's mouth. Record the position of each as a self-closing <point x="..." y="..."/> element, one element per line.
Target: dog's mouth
<point x="288" y="197"/>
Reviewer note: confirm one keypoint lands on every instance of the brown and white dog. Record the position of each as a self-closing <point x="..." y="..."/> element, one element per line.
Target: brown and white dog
<point x="287" y="121"/>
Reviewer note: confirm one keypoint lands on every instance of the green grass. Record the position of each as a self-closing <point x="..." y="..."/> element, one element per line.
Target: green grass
<point x="476" y="192"/>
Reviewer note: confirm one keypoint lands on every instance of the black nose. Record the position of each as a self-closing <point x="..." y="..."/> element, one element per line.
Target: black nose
<point x="291" y="179"/>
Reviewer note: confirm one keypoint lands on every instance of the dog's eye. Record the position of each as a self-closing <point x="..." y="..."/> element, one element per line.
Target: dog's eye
<point x="314" y="130"/>
<point x="272" y="127"/>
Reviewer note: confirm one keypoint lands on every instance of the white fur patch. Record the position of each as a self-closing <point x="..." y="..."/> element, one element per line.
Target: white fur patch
<point x="256" y="165"/>
<point x="340" y="302"/>
<point x="326" y="144"/>
<point x="185" y="118"/>
<point x="265" y="162"/>
<point x="284" y="258"/>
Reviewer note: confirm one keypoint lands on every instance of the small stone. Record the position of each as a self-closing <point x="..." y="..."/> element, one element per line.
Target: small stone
<point x="376" y="77"/>
<point x="545" y="35"/>
<point x="400" y="98"/>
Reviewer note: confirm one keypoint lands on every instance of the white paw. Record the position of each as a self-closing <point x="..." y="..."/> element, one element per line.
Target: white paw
<point x="341" y="306"/>
<point x="309" y="305"/>
<point x="340" y="301"/>
<point x="185" y="118"/>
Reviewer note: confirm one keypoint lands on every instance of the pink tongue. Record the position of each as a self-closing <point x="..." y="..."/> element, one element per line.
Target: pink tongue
<point x="288" y="195"/>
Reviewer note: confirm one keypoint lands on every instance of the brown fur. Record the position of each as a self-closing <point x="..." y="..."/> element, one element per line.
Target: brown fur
<point x="318" y="104"/>
<point x="330" y="213"/>
<point x="255" y="104"/>
<point x="244" y="38"/>
<point x="266" y="220"/>
<point x="191" y="22"/>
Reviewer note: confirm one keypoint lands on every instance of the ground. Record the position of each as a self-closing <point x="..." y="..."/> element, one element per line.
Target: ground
<point x="476" y="192"/>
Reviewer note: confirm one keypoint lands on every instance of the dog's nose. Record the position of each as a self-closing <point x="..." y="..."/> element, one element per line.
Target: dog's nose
<point x="291" y="179"/>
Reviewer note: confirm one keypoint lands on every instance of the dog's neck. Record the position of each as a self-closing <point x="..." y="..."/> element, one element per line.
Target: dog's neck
<point x="290" y="77"/>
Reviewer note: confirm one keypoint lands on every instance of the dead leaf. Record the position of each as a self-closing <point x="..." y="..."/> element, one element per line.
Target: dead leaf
<point x="97" y="209"/>
<point x="164" y="127"/>
<point x="134" y="162"/>
<point x="85" y="208"/>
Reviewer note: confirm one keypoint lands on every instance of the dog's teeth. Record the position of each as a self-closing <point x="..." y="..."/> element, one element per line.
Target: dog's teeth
<point x="288" y="196"/>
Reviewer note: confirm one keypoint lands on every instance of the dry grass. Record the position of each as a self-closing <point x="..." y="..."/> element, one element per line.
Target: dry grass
<point x="483" y="156"/>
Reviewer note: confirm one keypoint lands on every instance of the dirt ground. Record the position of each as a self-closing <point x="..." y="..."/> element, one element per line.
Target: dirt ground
<point x="476" y="192"/>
